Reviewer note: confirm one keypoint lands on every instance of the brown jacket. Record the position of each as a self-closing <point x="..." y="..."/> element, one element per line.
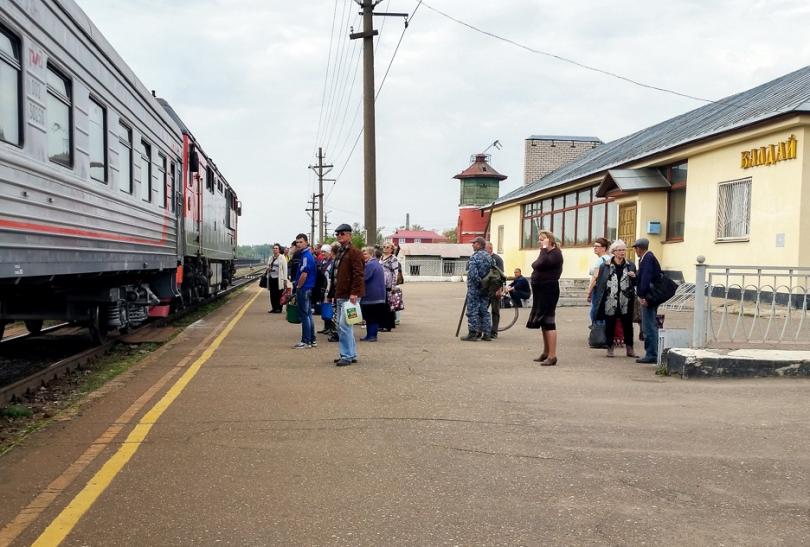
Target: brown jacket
<point x="350" y="277"/>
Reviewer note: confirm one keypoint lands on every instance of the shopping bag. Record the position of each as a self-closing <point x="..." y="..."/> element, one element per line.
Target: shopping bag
<point x="597" y="338"/>
<point x="285" y="297"/>
<point x="395" y="301"/>
<point x="352" y="313"/>
<point x="292" y="311"/>
<point x="327" y="311"/>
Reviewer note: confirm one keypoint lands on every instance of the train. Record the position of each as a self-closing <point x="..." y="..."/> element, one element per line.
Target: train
<point x="111" y="212"/>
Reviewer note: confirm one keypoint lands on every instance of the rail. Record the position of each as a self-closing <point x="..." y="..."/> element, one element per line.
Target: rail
<point x="751" y="304"/>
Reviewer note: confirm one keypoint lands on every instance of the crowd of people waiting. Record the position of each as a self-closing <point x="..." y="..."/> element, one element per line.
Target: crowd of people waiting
<point x="619" y="293"/>
<point x="331" y="281"/>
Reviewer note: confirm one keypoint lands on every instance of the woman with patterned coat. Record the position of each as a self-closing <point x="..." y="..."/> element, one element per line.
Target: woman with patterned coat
<point x="617" y="285"/>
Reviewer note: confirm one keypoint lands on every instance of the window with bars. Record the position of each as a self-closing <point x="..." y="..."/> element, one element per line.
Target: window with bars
<point x="734" y="210"/>
<point x="576" y="218"/>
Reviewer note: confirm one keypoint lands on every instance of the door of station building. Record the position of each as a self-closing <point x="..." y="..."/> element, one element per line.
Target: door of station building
<point x="627" y="223"/>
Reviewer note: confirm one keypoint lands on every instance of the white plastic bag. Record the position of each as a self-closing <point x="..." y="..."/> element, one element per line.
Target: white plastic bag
<point x="352" y="313"/>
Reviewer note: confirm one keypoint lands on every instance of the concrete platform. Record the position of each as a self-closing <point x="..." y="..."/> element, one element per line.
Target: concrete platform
<point x="741" y="363"/>
<point x="426" y="441"/>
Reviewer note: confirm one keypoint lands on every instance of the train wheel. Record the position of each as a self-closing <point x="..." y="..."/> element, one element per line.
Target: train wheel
<point x="34" y="326"/>
<point x="98" y="330"/>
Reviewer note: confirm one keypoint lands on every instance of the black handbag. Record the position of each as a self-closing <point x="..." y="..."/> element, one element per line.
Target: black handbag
<point x="661" y="290"/>
<point x="263" y="281"/>
<point x="597" y="338"/>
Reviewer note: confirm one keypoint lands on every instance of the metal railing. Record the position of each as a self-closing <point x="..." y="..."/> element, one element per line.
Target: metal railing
<point x="751" y="304"/>
<point x="434" y="267"/>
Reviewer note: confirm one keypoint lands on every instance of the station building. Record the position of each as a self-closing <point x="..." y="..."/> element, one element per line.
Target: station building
<point x="729" y="181"/>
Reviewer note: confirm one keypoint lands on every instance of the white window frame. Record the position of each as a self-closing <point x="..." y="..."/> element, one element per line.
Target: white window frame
<point x="734" y="203"/>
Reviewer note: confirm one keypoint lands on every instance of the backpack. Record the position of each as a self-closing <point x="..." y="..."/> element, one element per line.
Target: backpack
<point x="493" y="281"/>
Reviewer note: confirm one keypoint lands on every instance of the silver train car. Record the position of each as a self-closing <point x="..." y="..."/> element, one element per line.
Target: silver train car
<point x="109" y="210"/>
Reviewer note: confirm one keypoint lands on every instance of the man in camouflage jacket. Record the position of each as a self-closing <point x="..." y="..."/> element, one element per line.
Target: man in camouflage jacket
<point x="478" y="319"/>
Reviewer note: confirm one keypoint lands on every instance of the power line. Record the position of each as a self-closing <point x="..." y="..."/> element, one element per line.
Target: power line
<point x="326" y="75"/>
<point x="337" y="72"/>
<point x="377" y="95"/>
<point x="561" y="58"/>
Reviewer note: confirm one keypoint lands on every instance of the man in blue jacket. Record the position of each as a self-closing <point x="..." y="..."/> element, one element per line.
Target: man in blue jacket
<point x="304" y="283"/>
<point x="648" y="271"/>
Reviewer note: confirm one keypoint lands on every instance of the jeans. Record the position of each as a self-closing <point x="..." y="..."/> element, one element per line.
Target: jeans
<point x="304" y="299"/>
<point x="650" y="329"/>
<point x="347" y="345"/>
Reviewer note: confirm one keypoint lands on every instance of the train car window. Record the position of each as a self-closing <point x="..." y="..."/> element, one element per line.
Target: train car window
<point x="125" y="158"/>
<point x="60" y="118"/>
<point x="146" y="171"/>
<point x="209" y="180"/>
<point x="98" y="141"/>
<point x="162" y="182"/>
<point x="172" y="185"/>
<point x="10" y="88"/>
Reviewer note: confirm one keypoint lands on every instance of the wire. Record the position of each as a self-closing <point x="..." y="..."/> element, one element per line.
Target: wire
<point x="563" y="59"/>
<point x="326" y="75"/>
<point x="376" y="95"/>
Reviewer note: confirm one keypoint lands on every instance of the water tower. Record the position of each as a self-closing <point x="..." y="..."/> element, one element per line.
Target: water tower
<point x="480" y="184"/>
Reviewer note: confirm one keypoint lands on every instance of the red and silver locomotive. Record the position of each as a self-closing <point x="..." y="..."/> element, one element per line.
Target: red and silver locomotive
<point x="110" y="211"/>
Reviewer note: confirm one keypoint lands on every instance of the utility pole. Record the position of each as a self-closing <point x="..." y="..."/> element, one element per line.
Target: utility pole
<point x="369" y="132"/>
<point x="311" y="212"/>
<point x="321" y="170"/>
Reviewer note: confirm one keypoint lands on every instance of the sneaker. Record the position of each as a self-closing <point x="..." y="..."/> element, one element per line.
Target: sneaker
<point x="300" y="345"/>
<point x="368" y="339"/>
<point x="353" y="360"/>
<point x="344" y="362"/>
<point x="493" y="335"/>
<point x="314" y="344"/>
<point x="609" y="352"/>
<point x="486" y="338"/>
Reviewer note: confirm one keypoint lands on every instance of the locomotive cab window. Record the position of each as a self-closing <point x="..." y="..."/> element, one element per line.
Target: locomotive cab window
<point x="97" y="126"/>
<point x="60" y="118"/>
<point x="146" y="171"/>
<point x="10" y="85"/>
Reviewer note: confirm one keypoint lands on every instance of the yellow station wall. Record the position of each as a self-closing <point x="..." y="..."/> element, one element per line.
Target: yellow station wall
<point x="780" y="204"/>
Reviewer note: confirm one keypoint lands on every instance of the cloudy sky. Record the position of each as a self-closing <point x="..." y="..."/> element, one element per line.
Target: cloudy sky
<point x="249" y="77"/>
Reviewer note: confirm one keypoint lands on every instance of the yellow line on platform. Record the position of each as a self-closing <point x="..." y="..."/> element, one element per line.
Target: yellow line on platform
<point x="62" y="525"/>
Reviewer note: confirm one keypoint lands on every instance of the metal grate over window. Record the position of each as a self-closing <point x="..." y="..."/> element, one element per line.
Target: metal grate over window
<point x="734" y="209"/>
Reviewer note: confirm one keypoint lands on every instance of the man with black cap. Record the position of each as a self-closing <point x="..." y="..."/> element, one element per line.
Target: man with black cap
<point x="348" y="284"/>
<point x="648" y="271"/>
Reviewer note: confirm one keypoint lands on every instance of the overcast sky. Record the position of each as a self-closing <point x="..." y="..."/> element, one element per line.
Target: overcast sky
<point x="247" y="77"/>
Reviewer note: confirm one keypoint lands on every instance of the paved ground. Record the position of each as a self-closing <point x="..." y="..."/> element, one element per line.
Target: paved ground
<point x="429" y="441"/>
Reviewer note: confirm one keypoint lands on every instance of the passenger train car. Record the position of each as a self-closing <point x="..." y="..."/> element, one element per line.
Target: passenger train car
<point x="110" y="211"/>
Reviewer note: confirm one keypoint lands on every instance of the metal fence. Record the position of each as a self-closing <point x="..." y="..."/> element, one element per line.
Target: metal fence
<point x="750" y="304"/>
<point x="434" y="267"/>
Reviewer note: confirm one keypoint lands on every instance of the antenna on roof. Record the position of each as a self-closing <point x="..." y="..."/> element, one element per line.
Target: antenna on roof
<point x="497" y="144"/>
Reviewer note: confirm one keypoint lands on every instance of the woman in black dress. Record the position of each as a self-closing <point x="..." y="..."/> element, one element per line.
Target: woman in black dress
<point x="546" y="272"/>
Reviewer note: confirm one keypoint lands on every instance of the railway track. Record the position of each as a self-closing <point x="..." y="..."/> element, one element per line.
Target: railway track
<point x="16" y="381"/>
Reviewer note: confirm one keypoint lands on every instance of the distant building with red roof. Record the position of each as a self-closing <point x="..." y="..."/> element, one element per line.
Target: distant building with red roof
<point x="415" y="236"/>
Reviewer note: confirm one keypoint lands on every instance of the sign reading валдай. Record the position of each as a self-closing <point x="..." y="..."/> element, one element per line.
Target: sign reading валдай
<point x="769" y="155"/>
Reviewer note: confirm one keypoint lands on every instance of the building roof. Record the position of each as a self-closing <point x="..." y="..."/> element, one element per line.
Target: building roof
<point x="444" y="250"/>
<point x="480" y="169"/>
<point x="421" y="234"/>
<point x="574" y="138"/>
<point x="785" y="95"/>
<point x="632" y="180"/>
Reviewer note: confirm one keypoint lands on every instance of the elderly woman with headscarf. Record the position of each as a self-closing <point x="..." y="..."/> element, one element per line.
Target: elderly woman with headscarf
<point x="616" y="283"/>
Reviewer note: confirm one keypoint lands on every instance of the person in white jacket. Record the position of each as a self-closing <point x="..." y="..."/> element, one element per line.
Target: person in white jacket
<point x="277" y="281"/>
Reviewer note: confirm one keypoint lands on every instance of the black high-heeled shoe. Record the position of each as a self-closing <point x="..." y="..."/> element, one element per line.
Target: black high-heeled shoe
<point x="549" y="362"/>
<point x="543" y="357"/>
